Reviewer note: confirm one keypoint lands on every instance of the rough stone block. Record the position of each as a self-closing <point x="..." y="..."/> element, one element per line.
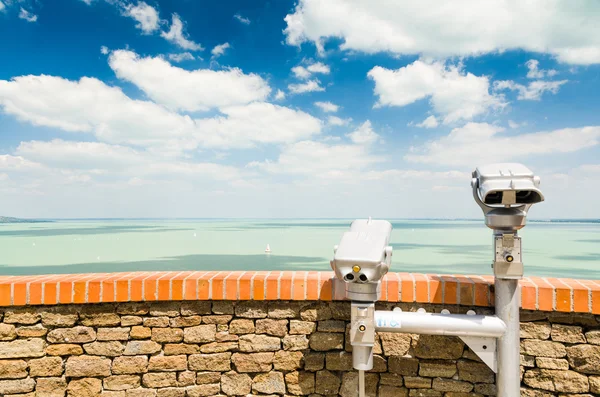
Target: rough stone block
<point x="338" y="361"/>
<point x="140" y="332"/>
<point x="180" y="348"/>
<point x="390" y="379"/>
<point x="259" y="343"/>
<point x="113" y="334"/>
<point x="298" y="327"/>
<point x="241" y="326"/>
<point x="210" y="362"/>
<point x="195" y="308"/>
<point x="168" y="363"/>
<point x="535" y="330"/>
<point x="64" y="350"/>
<point x="167" y="335"/>
<point x="552" y="363"/>
<point x="46" y="366"/>
<point x="234" y="384"/>
<point x="13" y="369"/>
<point x="219" y="347"/>
<point x="77" y="334"/>
<point x="100" y="319"/>
<point x="327" y="383"/>
<point x="287" y="360"/>
<point x="110" y="349"/>
<point x="340" y="310"/>
<point x="438" y="347"/>
<point x="437" y="368"/>
<point x="22" y="316"/>
<point x="168" y="309"/>
<point x="295" y="342"/>
<point x="186" y="378"/>
<point x="392" y="391"/>
<point x="52" y="319"/>
<point x="133" y="308"/>
<point x="567" y="333"/>
<point x="22" y="348"/>
<point x="379" y="364"/>
<point x="272" y="327"/>
<point x="84" y="366"/>
<point x="50" y="387"/>
<point x="323" y="341"/>
<point x="475" y="372"/>
<point x="121" y="382"/>
<point x="200" y="334"/>
<point x="594" y="384"/>
<point x="141" y="392"/>
<point x="540" y="348"/>
<point x="592" y="337"/>
<point x="221" y="307"/>
<point x="332" y="326"/>
<point x="526" y="361"/>
<point x="281" y="310"/>
<point x="32" y="331"/>
<point x="253" y="362"/>
<point x="16" y="386"/>
<point x="8" y="332"/>
<point x="314" y="361"/>
<point x="128" y="321"/>
<point x="86" y="387"/>
<point x="406" y="366"/>
<point x="451" y="385"/>
<point x="204" y="378"/>
<point x="171" y="392"/>
<point x="156" y="322"/>
<point x="136" y="348"/>
<point x="395" y="344"/>
<point x="416" y="382"/>
<point x="130" y="365"/>
<point x="220" y="319"/>
<point x="556" y="380"/>
<point x="584" y="358"/>
<point x="159" y="379"/>
<point x="183" y="322"/>
<point x="316" y="312"/>
<point x="251" y="309"/>
<point x="269" y="383"/>
<point x="203" y="390"/>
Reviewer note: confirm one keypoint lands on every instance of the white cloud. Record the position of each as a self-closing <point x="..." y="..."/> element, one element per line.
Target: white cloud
<point x="484" y="143"/>
<point x="104" y="50"/>
<point x="90" y="106"/>
<point x="280" y="95"/>
<point x="2" y="6"/>
<point x="327" y="106"/>
<point x="88" y="2"/>
<point x="533" y="91"/>
<point x="146" y="16"/>
<point x="338" y="121"/>
<point x="453" y="94"/>
<point x="176" y="36"/>
<point x="561" y="28"/>
<point x="300" y="72"/>
<point x="200" y="89"/>
<point x="26" y="15"/>
<point x="364" y="134"/>
<point x="184" y="56"/>
<point x="513" y="124"/>
<point x="220" y="50"/>
<point x="429" y="122"/>
<point x="309" y="86"/>
<point x="256" y="123"/>
<point x="16" y="163"/>
<point x="319" y="159"/>
<point x="318" y="68"/>
<point x="534" y="72"/>
<point x="242" y="19"/>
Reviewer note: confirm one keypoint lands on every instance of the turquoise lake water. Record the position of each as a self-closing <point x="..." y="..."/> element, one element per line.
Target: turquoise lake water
<point x="562" y="249"/>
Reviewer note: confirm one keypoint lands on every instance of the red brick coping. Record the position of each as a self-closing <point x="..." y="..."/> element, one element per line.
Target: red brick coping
<point x="538" y="293"/>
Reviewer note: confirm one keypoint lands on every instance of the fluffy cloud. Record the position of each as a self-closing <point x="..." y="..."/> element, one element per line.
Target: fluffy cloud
<point x="531" y="92"/>
<point x="309" y="86"/>
<point x="184" y="56"/>
<point x="176" y="36"/>
<point x="454" y="94"/>
<point x="481" y="142"/>
<point x="2" y="6"/>
<point x="280" y="95"/>
<point x="104" y="50"/>
<point x="16" y="163"/>
<point x="327" y="106"/>
<point x="90" y="106"/>
<point x="242" y="19"/>
<point x="145" y="15"/>
<point x="559" y="28"/>
<point x="338" y="121"/>
<point x="429" y="122"/>
<point x="302" y="72"/>
<point x="534" y="72"/>
<point x="364" y="134"/>
<point x="177" y="88"/>
<point x="26" y="15"/>
<point x="220" y="50"/>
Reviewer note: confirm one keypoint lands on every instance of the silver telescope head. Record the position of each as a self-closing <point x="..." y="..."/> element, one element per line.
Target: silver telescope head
<point x="363" y="257"/>
<point x="505" y="192"/>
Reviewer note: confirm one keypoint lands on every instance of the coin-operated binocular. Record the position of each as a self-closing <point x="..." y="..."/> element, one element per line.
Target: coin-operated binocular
<point x="505" y="192"/>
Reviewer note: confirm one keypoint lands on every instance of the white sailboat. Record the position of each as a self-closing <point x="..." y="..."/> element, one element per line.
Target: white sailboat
<point x="268" y="249"/>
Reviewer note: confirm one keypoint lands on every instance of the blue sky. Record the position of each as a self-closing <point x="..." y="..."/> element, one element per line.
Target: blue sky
<point x="338" y="108"/>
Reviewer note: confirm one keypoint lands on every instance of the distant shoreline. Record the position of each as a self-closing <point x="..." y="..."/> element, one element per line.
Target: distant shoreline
<point x="8" y="219"/>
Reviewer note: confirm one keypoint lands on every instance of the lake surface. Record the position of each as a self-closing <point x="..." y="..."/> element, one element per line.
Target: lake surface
<point x="557" y="249"/>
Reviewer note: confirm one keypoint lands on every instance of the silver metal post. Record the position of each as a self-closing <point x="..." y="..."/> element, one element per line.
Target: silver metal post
<point x="361" y="383"/>
<point x="508" y="296"/>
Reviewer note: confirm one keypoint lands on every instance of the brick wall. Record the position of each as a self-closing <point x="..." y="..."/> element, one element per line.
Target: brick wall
<point x="177" y="348"/>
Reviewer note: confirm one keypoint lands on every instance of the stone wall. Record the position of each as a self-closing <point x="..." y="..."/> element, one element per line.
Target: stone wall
<point x="236" y="348"/>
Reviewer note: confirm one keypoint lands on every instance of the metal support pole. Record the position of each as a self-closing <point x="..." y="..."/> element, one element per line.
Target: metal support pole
<point x="361" y="383"/>
<point x="508" y="297"/>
